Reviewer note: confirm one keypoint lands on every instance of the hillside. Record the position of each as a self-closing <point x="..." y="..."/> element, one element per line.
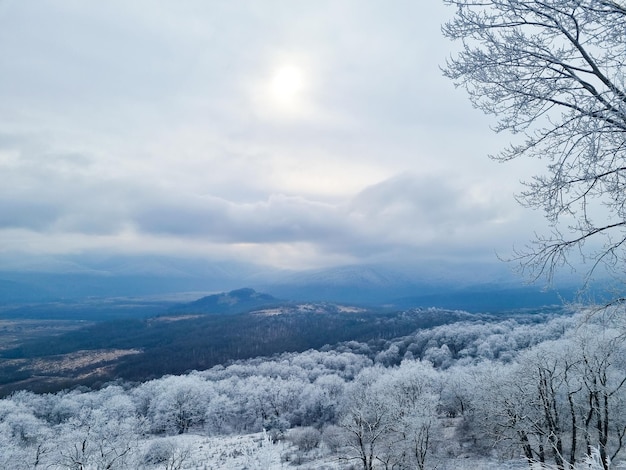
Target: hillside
<point x="201" y="334"/>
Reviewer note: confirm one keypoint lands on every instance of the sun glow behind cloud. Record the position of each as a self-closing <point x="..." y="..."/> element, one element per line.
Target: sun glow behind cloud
<point x="284" y="94"/>
<point x="287" y="84"/>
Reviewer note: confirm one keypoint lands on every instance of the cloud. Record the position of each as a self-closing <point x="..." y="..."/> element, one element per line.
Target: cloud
<point x="144" y="127"/>
<point x="433" y="214"/>
<point x="278" y="219"/>
<point x="406" y="213"/>
<point x="69" y="201"/>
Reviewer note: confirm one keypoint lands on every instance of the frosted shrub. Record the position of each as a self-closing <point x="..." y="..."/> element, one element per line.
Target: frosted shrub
<point x="305" y="439"/>
<point x="159" y="452"/>
<point x="165" y="452"/>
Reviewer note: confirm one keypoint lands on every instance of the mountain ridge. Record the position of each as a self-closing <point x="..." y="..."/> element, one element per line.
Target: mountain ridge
<point x="236" y="301"/>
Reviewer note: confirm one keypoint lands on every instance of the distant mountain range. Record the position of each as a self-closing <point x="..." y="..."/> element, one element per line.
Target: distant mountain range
<point x="472" y="287"/>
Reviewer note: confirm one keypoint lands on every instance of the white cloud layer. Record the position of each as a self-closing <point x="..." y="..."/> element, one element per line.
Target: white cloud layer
<point x="156" y="127"/>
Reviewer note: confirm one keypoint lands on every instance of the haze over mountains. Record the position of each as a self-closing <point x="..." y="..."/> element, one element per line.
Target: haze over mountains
<point x="470" y="286"/>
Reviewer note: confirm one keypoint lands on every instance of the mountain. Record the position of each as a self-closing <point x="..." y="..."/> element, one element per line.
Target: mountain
<point x="236" y="301"/>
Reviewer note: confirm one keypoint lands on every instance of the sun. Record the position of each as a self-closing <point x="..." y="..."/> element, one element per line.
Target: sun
<point x="287" y="83"/>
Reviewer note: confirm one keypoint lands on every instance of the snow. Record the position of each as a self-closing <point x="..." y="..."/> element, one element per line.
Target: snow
<point x="239" y="452"/>
<point x="258" y="452"/>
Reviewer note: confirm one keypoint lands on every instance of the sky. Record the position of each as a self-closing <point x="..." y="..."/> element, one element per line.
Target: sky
<point x="292" y="134"/>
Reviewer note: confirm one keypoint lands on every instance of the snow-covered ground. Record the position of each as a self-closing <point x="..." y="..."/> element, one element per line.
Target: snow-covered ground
<point x="259" y="452"/>
<point x="250" y="452"/>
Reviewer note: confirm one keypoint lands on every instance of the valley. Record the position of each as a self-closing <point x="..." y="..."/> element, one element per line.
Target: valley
<point x="129" y="344"/>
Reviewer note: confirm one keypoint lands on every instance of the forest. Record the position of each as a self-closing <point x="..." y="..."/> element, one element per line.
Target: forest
<point x="179" y="340"/>
<point x="514" y="393"/>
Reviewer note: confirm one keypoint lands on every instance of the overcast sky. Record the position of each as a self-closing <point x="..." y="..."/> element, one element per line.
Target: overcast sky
<point x="296" y="134"/>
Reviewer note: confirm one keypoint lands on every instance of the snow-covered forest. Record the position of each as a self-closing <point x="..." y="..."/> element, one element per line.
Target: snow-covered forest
<point x="482" y="394"/>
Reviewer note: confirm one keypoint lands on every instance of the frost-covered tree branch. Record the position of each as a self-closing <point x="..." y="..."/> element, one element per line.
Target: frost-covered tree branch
<point x="553" y="73"/>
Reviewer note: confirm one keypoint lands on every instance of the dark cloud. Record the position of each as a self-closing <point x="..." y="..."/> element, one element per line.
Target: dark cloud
<point x="33" y="215"/>
<point x="278" y="219"/>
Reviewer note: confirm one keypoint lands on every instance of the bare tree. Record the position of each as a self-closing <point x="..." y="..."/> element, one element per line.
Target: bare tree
<point x="552" y="72"/>
<point x="603" y="359"/>
<point x="390" y="417"/>
<point x="367" y="419"/>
